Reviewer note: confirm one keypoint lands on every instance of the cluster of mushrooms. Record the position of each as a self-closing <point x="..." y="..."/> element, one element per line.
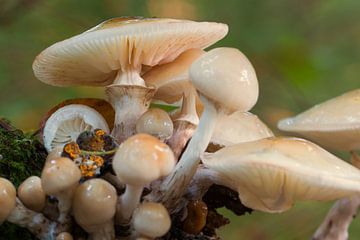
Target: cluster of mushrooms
<point x="127" y="179"/>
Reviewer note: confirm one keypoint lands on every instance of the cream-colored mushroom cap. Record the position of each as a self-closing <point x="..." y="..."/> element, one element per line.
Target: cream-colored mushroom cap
<point x="155" y="122"/>
<point x="94" y="203"/>
<point x="271" y="174"/>
<point x="226" y="76"/>
<point x="31" y="194"/>
<point x="95" y="56"/>
<point x="151" y="219"/>
<point x="64" y="236"/>
<point x="7" y="198"/>
<point x="239" y="127"/>
<point x="142" y="159"/>
<point x="171" y="80"/>
<point x="59" y="174"/>
<point x="334" y="123"/>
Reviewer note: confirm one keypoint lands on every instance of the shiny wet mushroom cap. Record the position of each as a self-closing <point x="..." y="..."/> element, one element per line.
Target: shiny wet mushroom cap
<point x="7" y="198"/>
<point x="31" y="194"/>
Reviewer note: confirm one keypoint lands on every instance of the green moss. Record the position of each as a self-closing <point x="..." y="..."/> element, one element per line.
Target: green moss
<point x="21" y="156"/>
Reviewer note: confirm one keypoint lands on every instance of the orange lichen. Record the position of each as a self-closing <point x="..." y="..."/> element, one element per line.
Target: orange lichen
<point x="196" y="219"/>
<point x="73" y="150"/>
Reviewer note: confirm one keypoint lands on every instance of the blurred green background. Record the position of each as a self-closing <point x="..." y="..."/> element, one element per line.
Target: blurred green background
<point x="304" y="52"/>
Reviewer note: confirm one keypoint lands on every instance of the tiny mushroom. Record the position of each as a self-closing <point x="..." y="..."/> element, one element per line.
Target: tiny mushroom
<point x="64" y="236"/>
<point x="172" y="82"/>
<point x="271" y="174"/>
<point x="94" y="208"/>
<point x="113" y="53"/>
<point x="151" y="220"/>
<point x="227" y="82"/>
<point x="7" y="199"/>
<point x="65" y="125"/>
<point x="31" y="194"/>
<point x="139" y="160"/>
<point x="59" y="178"/>
<point x="155" y="122"/>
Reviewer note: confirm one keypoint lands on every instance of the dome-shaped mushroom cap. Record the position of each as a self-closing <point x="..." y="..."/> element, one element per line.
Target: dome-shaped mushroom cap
<point x="227" y="77"/>
<point x="239" y="127"/>
<point x="59" y="174"/>
<point x="7" y="198"/>
<point x="94" y="202"/>
<point x="142" y="159"/>
<point x="31" y="194"/>
<point x="270" y="174"/>
<point x="95" y="56"/>
<point x="151" y="219"/>
<point x="334" y="123"/>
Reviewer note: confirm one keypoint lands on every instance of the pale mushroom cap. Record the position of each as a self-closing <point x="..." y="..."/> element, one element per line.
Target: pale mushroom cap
<point x="226" y="76"/>
<point x="171" y="80"/>
<point x="239" y="127"/>
<point x="334" y="123"/>
<point x="271" y="174"/>
<point x="94" y="203"/>
<point x="59" y="174"/>
<point x="65" y="125"/>
<point x="95" y="56"/>
<point x="31" y="194"/>
<point x="151" y="219"/>
<point x="142" y="159"/>
<point x="155" y="122"/>
<point x="64" y="236"/>
<point x="7" y="198"/>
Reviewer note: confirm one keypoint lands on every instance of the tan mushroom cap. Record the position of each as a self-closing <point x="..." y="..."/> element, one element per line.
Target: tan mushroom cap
<point x="59" y="174"/>
<point x="171" y="80"/>
<point x="64" y="236"/>
<point x="94" y="203"/>
<point x="151" y="219"/>
<point x="227" y="77"/>
<point x="334" y="123"/>
<point x="31" y="194"/>
<point x="95" y="56"/>
<point x="142" y="159"/>
<point x="7" y="198"/>
<point x="271" y="174"/>
<point x="239" y="127"/>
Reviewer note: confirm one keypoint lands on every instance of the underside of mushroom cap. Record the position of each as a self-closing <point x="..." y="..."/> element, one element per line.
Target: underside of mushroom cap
<point x="271" y="174"/>
<point x="334" y="123"/>
<point x="95" y="56"/>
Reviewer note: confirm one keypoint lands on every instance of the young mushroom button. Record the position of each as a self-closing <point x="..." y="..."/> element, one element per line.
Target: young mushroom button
<point x="227" y="82"/>
<point x="112" y="54"/>
<point x="31" y="194"/>
<point x="7" y="199"/>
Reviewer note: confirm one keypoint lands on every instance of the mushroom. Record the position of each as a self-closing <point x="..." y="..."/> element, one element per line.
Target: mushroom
<point x="271" y="174"/>
<point x="151" y="220"/>
<point x="64" y="236"/>
<point x="31" y="194"/>
<point x="59" y="178"/>
<point x="172" y="82"/>
<point x="65" y="125"/>
<point x="155" y="122"/>
<point x="112" y="54"/>
<point x="227" y="82"/>
<point x="138" y="161"/>
<point x="94" y="208"/>
<point x="7" y="198"/>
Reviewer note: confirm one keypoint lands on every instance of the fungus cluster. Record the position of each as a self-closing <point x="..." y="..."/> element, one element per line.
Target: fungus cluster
<point x="123" y="171"/>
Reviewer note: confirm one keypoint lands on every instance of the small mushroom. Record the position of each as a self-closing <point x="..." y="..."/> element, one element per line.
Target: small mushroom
<point x="7" y="199"/>
<point x="65" y="125"/>
<point x="271" y="174"/>
<point x="138" y="161"/>
<point x="94" y="208"/>
<point x="112" y="54"/>
<point x="197" y="213"/>
<point x="59" y="178"/>
<point x="31" y="194"/>
<point x="227" y="82"/>
<point x="155" y="122"/>
<point x="64" y="236"/>
<point x="151" y="220"/>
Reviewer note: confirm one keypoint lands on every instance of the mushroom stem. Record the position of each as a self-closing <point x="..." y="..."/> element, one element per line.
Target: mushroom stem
<point x="35" y="222"/>
<point x="129" y="77"/>
<point x="127" y="203"/>
<point x="64" y="204"/>
<point x="105" y="231"/>
<point x="129" y="102"/>
<point x="175" y="185"/>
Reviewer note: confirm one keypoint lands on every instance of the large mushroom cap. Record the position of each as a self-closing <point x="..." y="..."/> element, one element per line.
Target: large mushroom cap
<point x="95" y="56"/>
<point x="7" y="198"/>
<point x="271" y="174"/>
<point x="334" y="123"/>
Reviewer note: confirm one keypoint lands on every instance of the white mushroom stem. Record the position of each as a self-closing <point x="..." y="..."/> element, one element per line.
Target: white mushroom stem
<point x="64" y="203"/>
<point x="127" y="203"/>
<point x="35" y="222"/>
<point x="129" y="77"/>
<point x="101" y="232"/>
<point x="336" y="223"/>
<point x="175" y="185"/>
